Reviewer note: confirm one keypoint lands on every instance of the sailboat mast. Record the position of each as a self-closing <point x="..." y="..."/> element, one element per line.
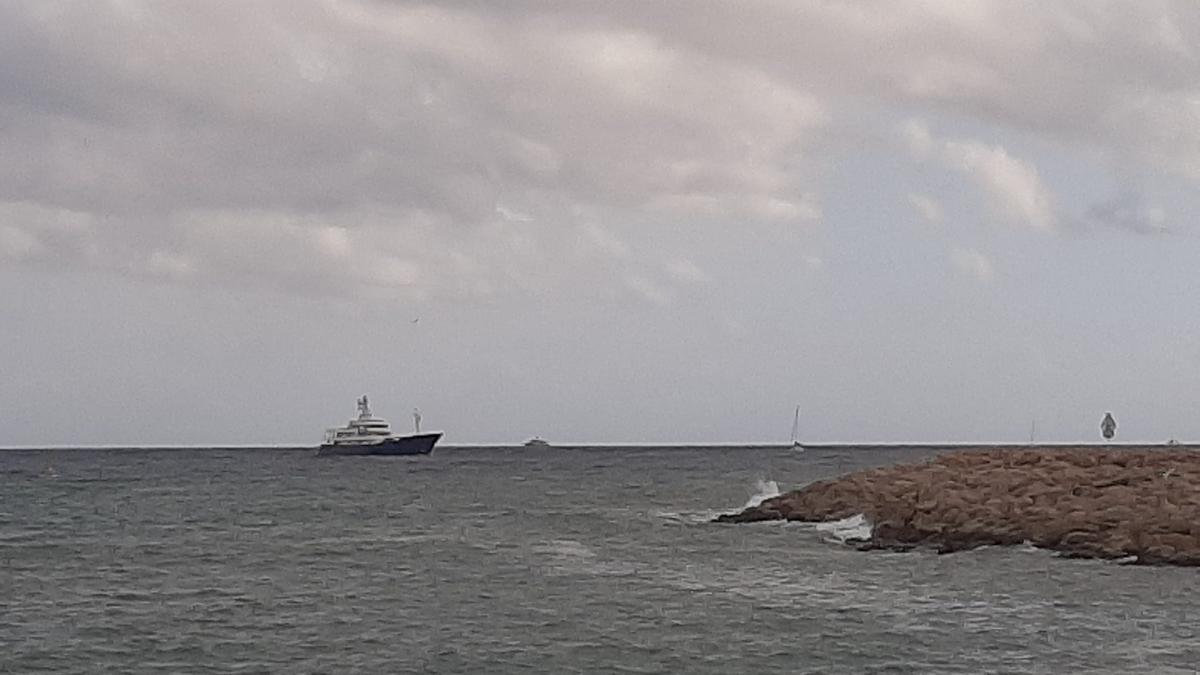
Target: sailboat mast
<point x="796" y="426"/>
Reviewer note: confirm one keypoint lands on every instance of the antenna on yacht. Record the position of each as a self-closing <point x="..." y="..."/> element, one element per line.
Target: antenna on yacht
<point x="417" y="419"/>
<point x="364" y="409"/>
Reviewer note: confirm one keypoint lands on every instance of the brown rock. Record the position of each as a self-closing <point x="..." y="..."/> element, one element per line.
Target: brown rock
<point x="1080" y="502"/>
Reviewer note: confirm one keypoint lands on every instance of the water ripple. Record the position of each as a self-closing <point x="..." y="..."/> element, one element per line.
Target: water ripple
<point x="511" y="561"/>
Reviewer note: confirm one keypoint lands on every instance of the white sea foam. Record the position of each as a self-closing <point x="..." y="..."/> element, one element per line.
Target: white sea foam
<point x="688" y="517"/>
<point x="564" y="548"/>
<point x="764" y="490"/>
<point x="854" y="528"/>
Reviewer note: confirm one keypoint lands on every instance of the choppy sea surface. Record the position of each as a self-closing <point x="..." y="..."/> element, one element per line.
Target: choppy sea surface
<point x="526" y="561"/>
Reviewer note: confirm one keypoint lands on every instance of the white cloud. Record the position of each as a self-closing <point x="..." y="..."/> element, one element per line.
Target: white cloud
<point x="648" y="290"/>
<point x="32" y="231"/>
<point x="333" y="241"/>
<point x="929" y="208"/>
<point x="686" y="271"/>
<point x="512" y="215"/>
<point x="593" y="237"/>
<point x="773" y="209"/>
<point x="918" y="138"/>
<point x="973" y="263"/>
<point x="169" y="265"/>
<point x="1015" y="189"/>
<point x="1014" y="184"/>
<point x="17" y="244"/>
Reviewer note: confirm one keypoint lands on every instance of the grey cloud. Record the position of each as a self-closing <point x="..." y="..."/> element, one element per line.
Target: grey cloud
<point x="323" y="115"/>
<point x="1112" y="74"/>
<point x="1130" y="213"/>
<point x="226" y="140"/>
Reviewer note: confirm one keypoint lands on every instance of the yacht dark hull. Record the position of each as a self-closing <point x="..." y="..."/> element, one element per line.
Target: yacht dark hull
<point x="414" y="444"/>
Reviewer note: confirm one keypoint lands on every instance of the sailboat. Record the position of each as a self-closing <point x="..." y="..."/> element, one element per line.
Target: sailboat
<point x="796" y="431"/>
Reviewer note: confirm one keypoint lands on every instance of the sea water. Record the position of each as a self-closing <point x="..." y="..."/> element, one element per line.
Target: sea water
<point x="526" y="561"/>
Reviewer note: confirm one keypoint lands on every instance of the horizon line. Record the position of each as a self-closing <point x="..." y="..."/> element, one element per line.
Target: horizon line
<point x="630" y="444"/>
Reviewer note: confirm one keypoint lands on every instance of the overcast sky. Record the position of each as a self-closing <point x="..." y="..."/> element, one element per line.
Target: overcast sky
<point x="668" y="221"/>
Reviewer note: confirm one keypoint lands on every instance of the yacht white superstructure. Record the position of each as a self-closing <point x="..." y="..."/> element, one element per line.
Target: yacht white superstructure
<point x="366" y="428"/>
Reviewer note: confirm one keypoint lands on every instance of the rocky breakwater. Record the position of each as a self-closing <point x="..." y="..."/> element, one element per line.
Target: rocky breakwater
<point x="1141" y="505"/>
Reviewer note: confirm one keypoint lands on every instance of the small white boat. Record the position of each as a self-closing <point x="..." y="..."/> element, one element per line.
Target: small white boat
<point x="536" y="442"/>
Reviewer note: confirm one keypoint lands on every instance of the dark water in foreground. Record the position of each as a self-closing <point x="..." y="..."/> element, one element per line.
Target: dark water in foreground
<point x="555" y="561"/>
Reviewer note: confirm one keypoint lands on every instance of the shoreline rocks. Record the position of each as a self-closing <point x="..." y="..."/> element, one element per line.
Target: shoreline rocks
<point x="1140" y="505"/>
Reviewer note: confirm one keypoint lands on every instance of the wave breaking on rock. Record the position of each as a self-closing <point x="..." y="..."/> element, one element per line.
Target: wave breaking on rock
<point x="1140" y="506"/>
